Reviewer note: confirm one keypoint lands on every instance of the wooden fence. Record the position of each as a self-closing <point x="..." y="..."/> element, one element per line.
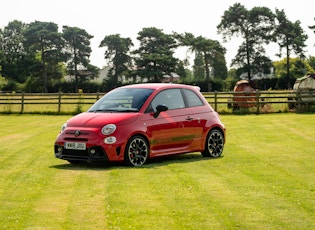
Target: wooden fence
<point x="224" y="102"/>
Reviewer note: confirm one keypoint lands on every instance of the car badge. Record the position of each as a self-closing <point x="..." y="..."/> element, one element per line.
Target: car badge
<point x="77" y="133"/>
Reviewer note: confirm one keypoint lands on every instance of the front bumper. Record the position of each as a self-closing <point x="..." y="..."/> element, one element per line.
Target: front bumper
<point x="91" y="154"/>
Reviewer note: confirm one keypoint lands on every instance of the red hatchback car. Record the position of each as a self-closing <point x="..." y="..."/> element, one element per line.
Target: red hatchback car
<point x="136" y="122"/>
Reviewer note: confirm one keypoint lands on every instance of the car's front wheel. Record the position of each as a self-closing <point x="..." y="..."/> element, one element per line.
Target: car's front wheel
<point x="214" y="144"/>
<point x="137" y="151"/>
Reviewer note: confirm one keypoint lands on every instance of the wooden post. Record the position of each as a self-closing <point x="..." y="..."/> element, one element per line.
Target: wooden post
<point x="257" y="101"/>
<point x="299" y="100"/>
<point x="22" y="103"/>
<point x="59" y="102"/>
<point x="215" y="101"/>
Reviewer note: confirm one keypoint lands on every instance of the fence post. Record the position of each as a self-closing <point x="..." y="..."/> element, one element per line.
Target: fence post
<point x="257" y="101"/>
<point x="97" y="96"/>
<point x="215" y="101"/>
<point x="59" y="102"/>
<point x="299" y="100"/>
<point x="22" y="103"/>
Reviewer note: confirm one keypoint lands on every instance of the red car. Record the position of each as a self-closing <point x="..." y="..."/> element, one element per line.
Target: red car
<point x="136" y="122"/>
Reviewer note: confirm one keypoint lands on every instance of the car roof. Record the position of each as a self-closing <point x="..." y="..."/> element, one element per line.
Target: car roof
<point x="156" y="86"/>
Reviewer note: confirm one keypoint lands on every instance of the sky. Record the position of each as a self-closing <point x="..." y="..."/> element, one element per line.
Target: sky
<point x="101" y="18"/>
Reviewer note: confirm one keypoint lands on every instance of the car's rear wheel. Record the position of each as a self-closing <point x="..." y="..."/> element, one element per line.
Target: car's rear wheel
<point x="137" y="151"/>
<point x="214" y="144"/>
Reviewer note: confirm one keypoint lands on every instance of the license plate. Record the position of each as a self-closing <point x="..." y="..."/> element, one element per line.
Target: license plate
<point x="75" y="145"/>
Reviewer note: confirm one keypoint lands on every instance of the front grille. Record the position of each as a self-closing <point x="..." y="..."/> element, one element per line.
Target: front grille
<point x="70" y="152"/>
<point x="81" y="133"/>
<point x="76" y="139"/>
<point x="79" y="136"/>
<point x="94" y="153"/>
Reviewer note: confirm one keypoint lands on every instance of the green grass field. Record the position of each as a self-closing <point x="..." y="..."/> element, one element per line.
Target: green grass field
<point x="265" y="180"/>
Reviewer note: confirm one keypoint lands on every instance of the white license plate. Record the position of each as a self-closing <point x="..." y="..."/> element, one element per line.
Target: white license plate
<point x="75" y="145"/>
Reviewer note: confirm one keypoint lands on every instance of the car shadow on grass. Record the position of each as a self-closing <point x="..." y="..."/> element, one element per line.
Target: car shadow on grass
<point x="151" y="163"/>
<point x="177" y="159"/>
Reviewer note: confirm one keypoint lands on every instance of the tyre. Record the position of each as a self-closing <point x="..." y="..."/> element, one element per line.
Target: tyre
<point x="214" y="144"/>
<point x="137" y="151"/>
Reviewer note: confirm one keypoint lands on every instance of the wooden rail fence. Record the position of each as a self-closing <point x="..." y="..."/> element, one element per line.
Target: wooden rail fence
<point x="223" y="102"/>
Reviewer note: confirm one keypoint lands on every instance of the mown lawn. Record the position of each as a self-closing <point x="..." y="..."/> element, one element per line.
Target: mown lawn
<point x="265" y="180"/>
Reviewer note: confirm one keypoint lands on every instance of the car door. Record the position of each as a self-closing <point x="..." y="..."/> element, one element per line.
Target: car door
<point x="200" y="117"/>
<point x="170" y="132"/>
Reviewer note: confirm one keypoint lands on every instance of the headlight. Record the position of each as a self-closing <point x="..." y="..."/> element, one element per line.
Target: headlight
<point x="108" y="129"/>
<point x="63" y="127"/>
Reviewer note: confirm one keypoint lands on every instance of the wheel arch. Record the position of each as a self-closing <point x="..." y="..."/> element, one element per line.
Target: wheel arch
<point x="136" y="154"/>
<point x="133" y="135"/>
<point x="220" y="129"/>
<point x="208" y="152"/>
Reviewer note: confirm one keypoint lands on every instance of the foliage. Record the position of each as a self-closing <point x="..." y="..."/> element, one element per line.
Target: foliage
<point x="199" y="67"/>
<point x="14" y="59"/>
<point x="154" y="58"/>
<point x="34" y="56"/>
<point x="78" y="50"/>
<point x="311" y="62"/>
<point x="291" y="37"/>
<point x="298" y="68"/>
<point x="209" y="55"/>
<point x="216" y="84"/>
<point x="255" y="26"/>
<point x="181" y="71"/>
<point x="43" y="38"/>
<point x="3" y="82"/>
<point x="117" y="54"/>
<point x="312" y="27"/>
<point x="230" y="81"/>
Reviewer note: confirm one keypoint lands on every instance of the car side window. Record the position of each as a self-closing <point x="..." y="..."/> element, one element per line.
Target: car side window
<point x="192" y="98"/>
<point x="172" y="98"/>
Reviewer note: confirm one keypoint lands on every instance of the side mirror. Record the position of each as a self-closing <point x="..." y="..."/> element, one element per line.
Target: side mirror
<point x="159" y="109"/>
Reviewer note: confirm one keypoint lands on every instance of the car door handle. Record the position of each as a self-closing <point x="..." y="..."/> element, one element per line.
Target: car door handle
<point x="189" y="118"/>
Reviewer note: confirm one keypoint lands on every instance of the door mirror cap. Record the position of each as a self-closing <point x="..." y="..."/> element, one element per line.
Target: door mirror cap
<point x="159" y="109"/>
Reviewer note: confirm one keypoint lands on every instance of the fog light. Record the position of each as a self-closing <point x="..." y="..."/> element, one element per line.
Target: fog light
<point x="110" y="140"/>
<point x="59" y="150"/>
<point x="92" y="151"/>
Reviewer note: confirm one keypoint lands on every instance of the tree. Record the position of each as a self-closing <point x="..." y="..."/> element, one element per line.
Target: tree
<point x="290" y="37"/>
<point x="14" y="59"/>
<point x="44" y="42"/>
<point x="117" y="54"/>
<point x="312" y="27"/>
<point x="181" y="70"/>
<point x="155" y="55"/>
<point x="77" y="45"/>
<point x="199" y="67"/>
<point x="255" y="26"/>
<point x="210" y="51"/>
<point x="298" y="68"/>
<point x="311" y="62"/>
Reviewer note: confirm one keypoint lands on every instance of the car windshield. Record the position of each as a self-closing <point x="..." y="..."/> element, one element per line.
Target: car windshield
<point x="122" y="100"/>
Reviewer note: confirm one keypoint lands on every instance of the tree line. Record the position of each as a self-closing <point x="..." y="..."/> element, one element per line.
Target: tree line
<point x="35" y="57"/>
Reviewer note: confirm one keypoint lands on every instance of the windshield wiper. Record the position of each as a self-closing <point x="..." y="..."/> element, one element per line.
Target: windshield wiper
<point x="129" y="110"/>
<point x="115" y="110"/>
<point x="97" y="110"/>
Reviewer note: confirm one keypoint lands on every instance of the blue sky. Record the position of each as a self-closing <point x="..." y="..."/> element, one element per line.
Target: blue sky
<point x="128" y="17"/>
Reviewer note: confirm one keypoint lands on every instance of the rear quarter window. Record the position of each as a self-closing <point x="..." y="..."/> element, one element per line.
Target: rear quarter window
<point x="193" y="99"/>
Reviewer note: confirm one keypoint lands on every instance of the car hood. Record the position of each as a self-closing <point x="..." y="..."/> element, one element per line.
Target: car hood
<point x="90" y="119"/>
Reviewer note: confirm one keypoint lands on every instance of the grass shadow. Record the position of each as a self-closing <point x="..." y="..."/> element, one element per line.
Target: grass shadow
<point x="177" y="159"/>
